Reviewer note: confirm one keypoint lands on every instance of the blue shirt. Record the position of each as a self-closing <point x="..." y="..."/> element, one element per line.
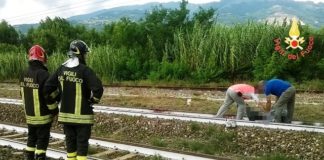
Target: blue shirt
<point x="276" y="87"/>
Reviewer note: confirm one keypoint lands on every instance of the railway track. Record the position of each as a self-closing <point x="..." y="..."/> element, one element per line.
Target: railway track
<point x="100" y="149"/>
<point x="16" y="137"/>
<point x="218" y="88"/>
<point x="204" y="118"/>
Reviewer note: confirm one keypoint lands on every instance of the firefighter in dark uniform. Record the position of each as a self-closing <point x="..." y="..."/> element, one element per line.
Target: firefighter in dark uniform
<point x="39" y="115"/>
<point x="80" y="88"/>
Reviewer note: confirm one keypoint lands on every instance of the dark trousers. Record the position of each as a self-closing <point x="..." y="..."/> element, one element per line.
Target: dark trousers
<point x="38" y="136"/>
<point x="285" y="101"/>
<point x="77" y="138"/>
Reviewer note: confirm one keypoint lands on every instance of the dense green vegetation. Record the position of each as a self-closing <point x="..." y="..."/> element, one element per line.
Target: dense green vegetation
<point x="170" y="45"/>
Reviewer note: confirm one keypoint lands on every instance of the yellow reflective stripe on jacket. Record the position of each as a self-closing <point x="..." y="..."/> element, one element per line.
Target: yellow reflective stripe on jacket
<point x="36" y="102"/>
<point x="52" y="106"/>
<point x="61" y="82"/>
<point x="31" y="149"/>
<point x="39" y="119"/>
<point x="72" y="118"/>
<point x="23" y="98"/>
<point x="78" y="98"/>
<point x="40" y="151"/>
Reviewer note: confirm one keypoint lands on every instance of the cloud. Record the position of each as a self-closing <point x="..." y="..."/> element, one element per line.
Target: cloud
<point x="48" y="3"/>
<point x="315" y="1"/>
<point x="2" y="3"/>
<point x="67" y="8"/>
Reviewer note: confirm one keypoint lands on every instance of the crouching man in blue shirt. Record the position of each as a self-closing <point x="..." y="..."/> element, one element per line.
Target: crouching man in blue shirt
<point x="285" y="98"/>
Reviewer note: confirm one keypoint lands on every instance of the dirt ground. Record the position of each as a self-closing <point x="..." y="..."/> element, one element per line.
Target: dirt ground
<point x="309" y="106"/>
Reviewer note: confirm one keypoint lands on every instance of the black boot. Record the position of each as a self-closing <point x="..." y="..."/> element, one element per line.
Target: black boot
<point x="41" y="156"/>
<point x="29" y="155"/>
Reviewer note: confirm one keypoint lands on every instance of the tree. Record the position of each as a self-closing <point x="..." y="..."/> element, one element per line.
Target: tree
<point x="205" y="17"/>
<point x="8" y="34"/>
<point x="90" y="36"/>
<point x="160" y="25"/>
<point x="178" y="17"/>
<point x="53" y="35"/>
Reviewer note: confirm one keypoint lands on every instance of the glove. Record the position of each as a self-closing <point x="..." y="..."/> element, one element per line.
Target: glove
<point x="93" y="101"/>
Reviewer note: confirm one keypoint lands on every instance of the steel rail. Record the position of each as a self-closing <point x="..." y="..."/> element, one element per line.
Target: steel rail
<point x="216" y="88"/>
<point x="114" y="145"/>
<point x="205" y="118"/>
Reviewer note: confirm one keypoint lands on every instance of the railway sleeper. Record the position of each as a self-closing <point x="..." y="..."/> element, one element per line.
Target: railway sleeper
<point x="95" y="152"/>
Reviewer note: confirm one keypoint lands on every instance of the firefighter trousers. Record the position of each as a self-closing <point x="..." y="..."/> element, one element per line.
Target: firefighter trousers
<point x="77" y="138"/>
<point x="38" y="136"/>
<point x="38" y="139"/>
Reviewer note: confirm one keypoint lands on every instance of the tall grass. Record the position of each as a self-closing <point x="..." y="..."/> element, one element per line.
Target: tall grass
<point x="103" y="60"/>
<point x="55" y="60"/>
<point x="12" y="65"/>
<point x="221" y="50"/>
<point x="199" y="54"/>
<point x="108" y="62"/>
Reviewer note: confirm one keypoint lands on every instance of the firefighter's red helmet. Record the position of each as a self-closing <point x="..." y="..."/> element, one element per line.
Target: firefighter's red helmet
<point x="37" y="52"/>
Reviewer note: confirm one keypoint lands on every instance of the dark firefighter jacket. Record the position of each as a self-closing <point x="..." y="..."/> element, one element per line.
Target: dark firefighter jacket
<point x="31" y="84"/>
<point x="79" y="88"/>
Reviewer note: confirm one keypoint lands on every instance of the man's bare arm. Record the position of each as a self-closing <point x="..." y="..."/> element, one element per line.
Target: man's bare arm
<point x="268" y="104"/>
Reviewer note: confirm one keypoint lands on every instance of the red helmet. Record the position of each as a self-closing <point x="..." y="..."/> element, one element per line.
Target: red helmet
<point x="37" y="53"/>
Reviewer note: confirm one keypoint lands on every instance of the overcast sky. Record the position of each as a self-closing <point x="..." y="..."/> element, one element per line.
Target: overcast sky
<point x="32" y="11"/>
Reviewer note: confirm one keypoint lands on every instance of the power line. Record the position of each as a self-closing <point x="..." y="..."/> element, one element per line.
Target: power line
<point x="54" y="9"/>
<point x="58" y="9"/>
<point x="37" y="12"/>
